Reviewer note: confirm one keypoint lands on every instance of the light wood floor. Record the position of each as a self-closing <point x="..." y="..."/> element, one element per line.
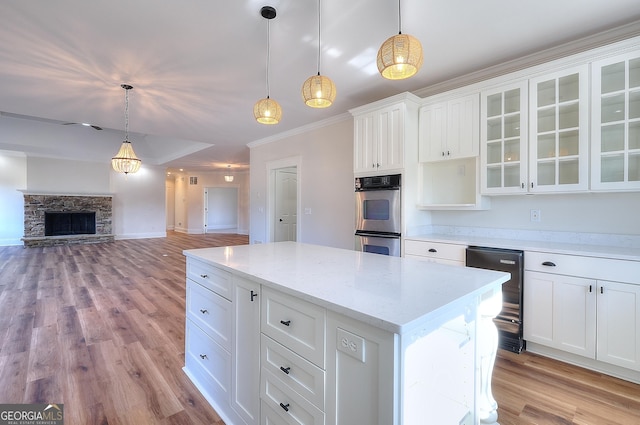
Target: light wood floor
<point x="100" y="328"/>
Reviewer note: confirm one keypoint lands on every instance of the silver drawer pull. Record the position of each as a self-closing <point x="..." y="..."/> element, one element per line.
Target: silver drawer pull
<point x="285" y="369"/>
<point x="510" y="262"/>
<point x="204" y="311"/>
<point x="203" y="356"/>
<point x="286" y="322"/>
<point x="204" y="276"/>
<point x="285" y="406"/>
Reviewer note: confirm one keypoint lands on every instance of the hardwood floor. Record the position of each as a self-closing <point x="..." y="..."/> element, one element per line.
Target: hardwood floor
<point x="100" y="328"/>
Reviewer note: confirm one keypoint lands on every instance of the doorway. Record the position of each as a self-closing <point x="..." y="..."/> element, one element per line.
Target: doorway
<point x="221" y="210"/>
<point x="284" y="200"/>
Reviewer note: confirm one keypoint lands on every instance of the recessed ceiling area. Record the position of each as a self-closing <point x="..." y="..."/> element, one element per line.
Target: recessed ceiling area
<point x="198" y="67"/>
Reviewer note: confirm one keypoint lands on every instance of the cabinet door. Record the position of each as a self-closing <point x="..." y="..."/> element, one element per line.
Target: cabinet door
<point x="432" y="132"/>
<point x="245" y="382"/>
<point x="560" y="312"/>
<point x="619" y="324"/>
<point x="365" y="155"/>
<point x="503" y="137"/>
<point x="463" y="127"/>
<point x="390" y="127"/>
<point x="615" y="131"/>
<point x="558" y="125"/>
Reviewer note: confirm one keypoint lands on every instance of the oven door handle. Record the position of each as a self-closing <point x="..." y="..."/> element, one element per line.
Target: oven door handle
<point x="378" y="235"/>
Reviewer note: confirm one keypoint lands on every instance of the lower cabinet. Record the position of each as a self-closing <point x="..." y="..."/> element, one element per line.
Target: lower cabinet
<point x="570" y="306"/>
<point x="438" y="252"/>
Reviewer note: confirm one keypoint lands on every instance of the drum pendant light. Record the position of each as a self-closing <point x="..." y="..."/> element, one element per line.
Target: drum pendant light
<point x="400" y="56"/>
<point x="267" y="110"/>
<point x="318" y="91"/>
<point x="126" y="160"/>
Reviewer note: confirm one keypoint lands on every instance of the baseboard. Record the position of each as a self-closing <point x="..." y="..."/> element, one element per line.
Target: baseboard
<point x="141" y="235"/>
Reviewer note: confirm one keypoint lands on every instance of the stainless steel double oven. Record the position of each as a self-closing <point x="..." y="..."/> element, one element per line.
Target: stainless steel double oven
<point x="378" y="214"/>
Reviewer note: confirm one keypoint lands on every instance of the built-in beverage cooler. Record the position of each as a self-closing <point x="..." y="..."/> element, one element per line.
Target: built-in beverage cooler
<point x="509" y="320"/>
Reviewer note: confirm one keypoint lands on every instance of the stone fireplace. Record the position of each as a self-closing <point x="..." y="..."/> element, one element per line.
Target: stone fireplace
<point x="66" y="211"/>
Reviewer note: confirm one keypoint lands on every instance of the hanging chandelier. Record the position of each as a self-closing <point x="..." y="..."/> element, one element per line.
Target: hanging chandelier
<point x="267" y="110"/>
<point x="318" y="91"/>
<point x="126" y="160"/>
<point x="228" y="177"/>
<point x="400" y="56"/>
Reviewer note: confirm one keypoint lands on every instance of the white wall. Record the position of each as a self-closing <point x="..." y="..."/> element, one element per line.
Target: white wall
<point x="13" y="177"/>
<point x="326" y="178"/>
<point x="138" y="199"/>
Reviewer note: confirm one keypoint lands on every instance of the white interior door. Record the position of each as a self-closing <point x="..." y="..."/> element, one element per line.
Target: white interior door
<point x="286" y="204"/>
<point x="221" y="209"/>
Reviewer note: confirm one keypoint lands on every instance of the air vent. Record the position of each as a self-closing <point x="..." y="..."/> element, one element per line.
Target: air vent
<point x="193" y="180"/>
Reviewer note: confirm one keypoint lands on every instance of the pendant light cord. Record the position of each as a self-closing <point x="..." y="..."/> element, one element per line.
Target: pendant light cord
<point x="126" y="114"/>
<point x="319" y="41"/>
<point x="399" y="19"/>
<point x="268" y="52"/>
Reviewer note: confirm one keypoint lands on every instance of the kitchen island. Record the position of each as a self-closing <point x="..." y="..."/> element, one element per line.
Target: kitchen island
<point x="291" y="333"/>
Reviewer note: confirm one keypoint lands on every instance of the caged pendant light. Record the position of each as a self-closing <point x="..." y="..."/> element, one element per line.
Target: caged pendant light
<point x="400" y="56"/>
<point x="318" y="91"/>
<point x="267" y="110"/>
<point x="228" y="177"/>
<point x="126" y="160"/>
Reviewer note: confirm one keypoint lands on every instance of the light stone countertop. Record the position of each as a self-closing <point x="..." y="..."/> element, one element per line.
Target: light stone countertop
<point x="580" y="245"/>
<point x="391" y="293"/>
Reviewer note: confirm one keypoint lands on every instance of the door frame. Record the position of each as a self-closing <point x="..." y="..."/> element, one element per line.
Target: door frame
<point x="272" y="166"/>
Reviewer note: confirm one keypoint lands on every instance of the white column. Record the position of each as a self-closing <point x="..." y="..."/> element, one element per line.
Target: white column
<point x="487" y="344"/>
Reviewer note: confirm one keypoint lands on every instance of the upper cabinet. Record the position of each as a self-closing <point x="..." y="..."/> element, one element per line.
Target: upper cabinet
<point x="558" y="131"/>
<point x="380" y="130"/>
<point x="534" y="135"/>
<point x="450" y="129"/>
<point x="615" y="130"/>
<point x="503" y="137"/>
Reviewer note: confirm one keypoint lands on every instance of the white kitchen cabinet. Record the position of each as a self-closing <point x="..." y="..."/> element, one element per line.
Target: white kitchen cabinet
<point x="450" y="129"/>
<point x="437" y="252"/>
<point x="570" y="305"/>
<point x="380" y="130"/>
<point x="559" y="131"/>
<point x="560" y="312"/>
<point x="245" y="365"/>
<point x="619" y="324"/>
<point x="503" y="139"/>
<point x="615" y="131"/>
<point x="552" y="155"/>
<point x="222" y="341"/>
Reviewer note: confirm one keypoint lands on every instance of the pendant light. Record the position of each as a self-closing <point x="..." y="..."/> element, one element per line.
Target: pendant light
<point x="318" y="91"/>
<point x="267" y="110"/>
<point x="400" y="56"/>
<point x="229" y="177"/>
<point x="126" y="160"/>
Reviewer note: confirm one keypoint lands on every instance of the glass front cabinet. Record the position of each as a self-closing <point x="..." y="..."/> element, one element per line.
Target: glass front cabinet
<point x="503" y="138"/>
<point x="558" y="131"/>
<point x="615" y="132"/>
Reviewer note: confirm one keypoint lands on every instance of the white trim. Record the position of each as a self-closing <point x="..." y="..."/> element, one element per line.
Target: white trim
<point x="140" y="235"/>
<point x="299" y="130"/>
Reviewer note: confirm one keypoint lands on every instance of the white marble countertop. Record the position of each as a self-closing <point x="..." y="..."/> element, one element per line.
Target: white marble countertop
<point x="391" y="293"/>
<point x="550" y="246"/>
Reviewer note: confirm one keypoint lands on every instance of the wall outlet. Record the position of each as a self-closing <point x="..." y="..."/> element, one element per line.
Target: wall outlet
<point x="535" y="215"/>
<point x="351" y="344"/>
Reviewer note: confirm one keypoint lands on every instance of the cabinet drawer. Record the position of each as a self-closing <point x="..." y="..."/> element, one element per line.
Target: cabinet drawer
<point x="283" y="405"/>
<point x="207" y="362"/>
<point x="302" y="376"/>
<point x="589" y="267"/>
<point x="296" y="324"/>
<point x="435" y="250"/>
<point x="211" y="313"/>
<point x="210" y="277"/>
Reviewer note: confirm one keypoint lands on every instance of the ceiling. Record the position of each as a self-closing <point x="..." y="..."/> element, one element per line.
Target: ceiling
<point x="198" y="66"/>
